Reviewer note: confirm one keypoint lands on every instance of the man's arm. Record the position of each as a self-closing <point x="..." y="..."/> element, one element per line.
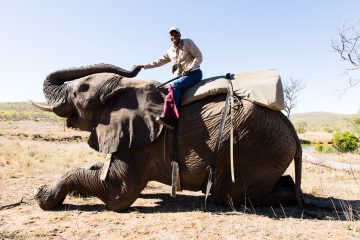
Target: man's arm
<point x="196" y="53"/>
<point x="158" y="62"/>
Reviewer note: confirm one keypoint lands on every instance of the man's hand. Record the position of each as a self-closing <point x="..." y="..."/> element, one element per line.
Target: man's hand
<point x="185" y="72"/>
<point x="138" y="67"/>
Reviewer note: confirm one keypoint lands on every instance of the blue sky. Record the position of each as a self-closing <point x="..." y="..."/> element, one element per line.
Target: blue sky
<point x="39" y="37"/>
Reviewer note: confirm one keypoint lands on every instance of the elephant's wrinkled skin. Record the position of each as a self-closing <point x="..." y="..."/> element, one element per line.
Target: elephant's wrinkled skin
<point x="120" y="113"/>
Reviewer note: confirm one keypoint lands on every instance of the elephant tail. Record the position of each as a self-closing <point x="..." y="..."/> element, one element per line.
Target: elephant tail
<point x="297" y="163"/>
<point x="298" y="174"/>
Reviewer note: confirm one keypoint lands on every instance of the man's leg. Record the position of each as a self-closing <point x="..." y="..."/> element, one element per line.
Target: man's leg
<point x="170" y="113"/>
<point x="183" y="83"/>
<point x="173" y="99"/>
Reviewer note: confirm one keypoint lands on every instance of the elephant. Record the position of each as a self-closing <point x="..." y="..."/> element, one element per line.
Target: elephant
<point x="120" y="111"/>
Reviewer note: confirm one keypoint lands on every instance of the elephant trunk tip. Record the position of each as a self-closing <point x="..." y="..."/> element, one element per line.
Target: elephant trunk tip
<point x="44" y="196"/>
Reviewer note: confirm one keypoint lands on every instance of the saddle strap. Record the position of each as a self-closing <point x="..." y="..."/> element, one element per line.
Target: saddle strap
<point x="212" y="175"/>
<point x="229" y="105"/>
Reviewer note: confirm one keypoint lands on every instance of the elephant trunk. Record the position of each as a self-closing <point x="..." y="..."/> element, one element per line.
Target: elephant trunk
<point x="56" y="90"/>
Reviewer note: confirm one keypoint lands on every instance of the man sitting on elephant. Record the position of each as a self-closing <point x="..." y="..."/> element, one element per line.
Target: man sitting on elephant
<point x="186" y="58"/>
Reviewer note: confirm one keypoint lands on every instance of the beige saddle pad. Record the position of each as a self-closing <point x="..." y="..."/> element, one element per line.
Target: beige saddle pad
<point x="262" y="87"/>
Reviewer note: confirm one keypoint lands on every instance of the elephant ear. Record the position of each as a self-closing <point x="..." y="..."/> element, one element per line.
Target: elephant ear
<point x="128" y="119"/>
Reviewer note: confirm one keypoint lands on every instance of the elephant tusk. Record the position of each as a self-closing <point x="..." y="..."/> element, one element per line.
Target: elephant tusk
<point x="105" y="168"/>
<point x="42" y="107"/>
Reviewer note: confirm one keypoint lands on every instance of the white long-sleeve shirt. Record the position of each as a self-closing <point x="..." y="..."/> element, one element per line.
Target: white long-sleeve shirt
<point x="186" y="56"/>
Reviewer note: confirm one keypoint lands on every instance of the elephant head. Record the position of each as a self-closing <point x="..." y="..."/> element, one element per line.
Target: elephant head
<point x="118" y="111"/>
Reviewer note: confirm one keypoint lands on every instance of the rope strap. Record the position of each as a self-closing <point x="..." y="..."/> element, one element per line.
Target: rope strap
<point x="230" y="101"/>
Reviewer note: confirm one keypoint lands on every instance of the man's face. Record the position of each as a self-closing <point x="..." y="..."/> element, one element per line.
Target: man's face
<point x="175" y="37"/>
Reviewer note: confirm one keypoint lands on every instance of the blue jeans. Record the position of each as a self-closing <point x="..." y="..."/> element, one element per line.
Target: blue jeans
<point x="183" y="83"/>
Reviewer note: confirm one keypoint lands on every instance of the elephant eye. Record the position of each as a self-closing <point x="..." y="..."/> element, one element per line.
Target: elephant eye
<point x="84" y="87"/>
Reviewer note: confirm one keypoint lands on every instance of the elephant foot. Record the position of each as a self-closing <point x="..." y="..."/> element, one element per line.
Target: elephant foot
<point x="283" y="193"/>
<point x="47" y="198"/>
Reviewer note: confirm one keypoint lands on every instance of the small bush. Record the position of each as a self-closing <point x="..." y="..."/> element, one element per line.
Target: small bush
<point x="328" y="149"/>
<point x="324" y="149"/>
<point x="319" y="148"/>
<point x="345" y="142"/>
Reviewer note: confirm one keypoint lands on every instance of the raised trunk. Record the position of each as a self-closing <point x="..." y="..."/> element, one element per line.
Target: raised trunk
<point x="55" y="90"/>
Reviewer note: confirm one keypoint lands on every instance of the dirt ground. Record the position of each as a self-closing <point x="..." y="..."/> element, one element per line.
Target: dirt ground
<point x="34" y="153"/>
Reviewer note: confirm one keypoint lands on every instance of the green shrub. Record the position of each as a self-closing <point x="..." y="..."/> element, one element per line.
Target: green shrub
<point x="345" y="142"/>
<point x="328" y="149"/>
<point x="319" y="148"/>
<point x="324" y="148"/>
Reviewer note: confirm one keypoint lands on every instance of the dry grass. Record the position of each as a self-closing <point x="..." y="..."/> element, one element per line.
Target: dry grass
<point x="23" y="149"/>
<point x="26" y="163"/>
<point x="28" y="156"/>
<point x="317" y="137"/>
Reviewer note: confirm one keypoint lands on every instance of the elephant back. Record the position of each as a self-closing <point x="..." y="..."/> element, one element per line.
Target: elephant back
<point x="264" y="147"/>
<point x="261" y="87"/>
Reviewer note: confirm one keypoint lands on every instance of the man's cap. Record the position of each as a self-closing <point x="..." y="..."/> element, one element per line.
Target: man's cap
<point x="173" y="28"/>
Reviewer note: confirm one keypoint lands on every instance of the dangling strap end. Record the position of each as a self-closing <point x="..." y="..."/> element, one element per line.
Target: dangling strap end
<point x="175" y="179"/>
<point x="211" y="181"/>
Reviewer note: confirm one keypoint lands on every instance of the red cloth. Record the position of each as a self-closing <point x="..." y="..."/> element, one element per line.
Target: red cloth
<point x="170" y="110"/>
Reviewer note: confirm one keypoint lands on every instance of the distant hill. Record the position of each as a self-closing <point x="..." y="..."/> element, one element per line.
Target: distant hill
<point x="324" y="121"/>
<point x="17" y="111"/>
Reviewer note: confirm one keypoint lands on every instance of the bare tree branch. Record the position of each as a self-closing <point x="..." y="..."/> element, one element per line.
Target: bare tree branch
<point x="292" y="87"/>
<point x="13" y="204"/>
<point x="347" y="45"/>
